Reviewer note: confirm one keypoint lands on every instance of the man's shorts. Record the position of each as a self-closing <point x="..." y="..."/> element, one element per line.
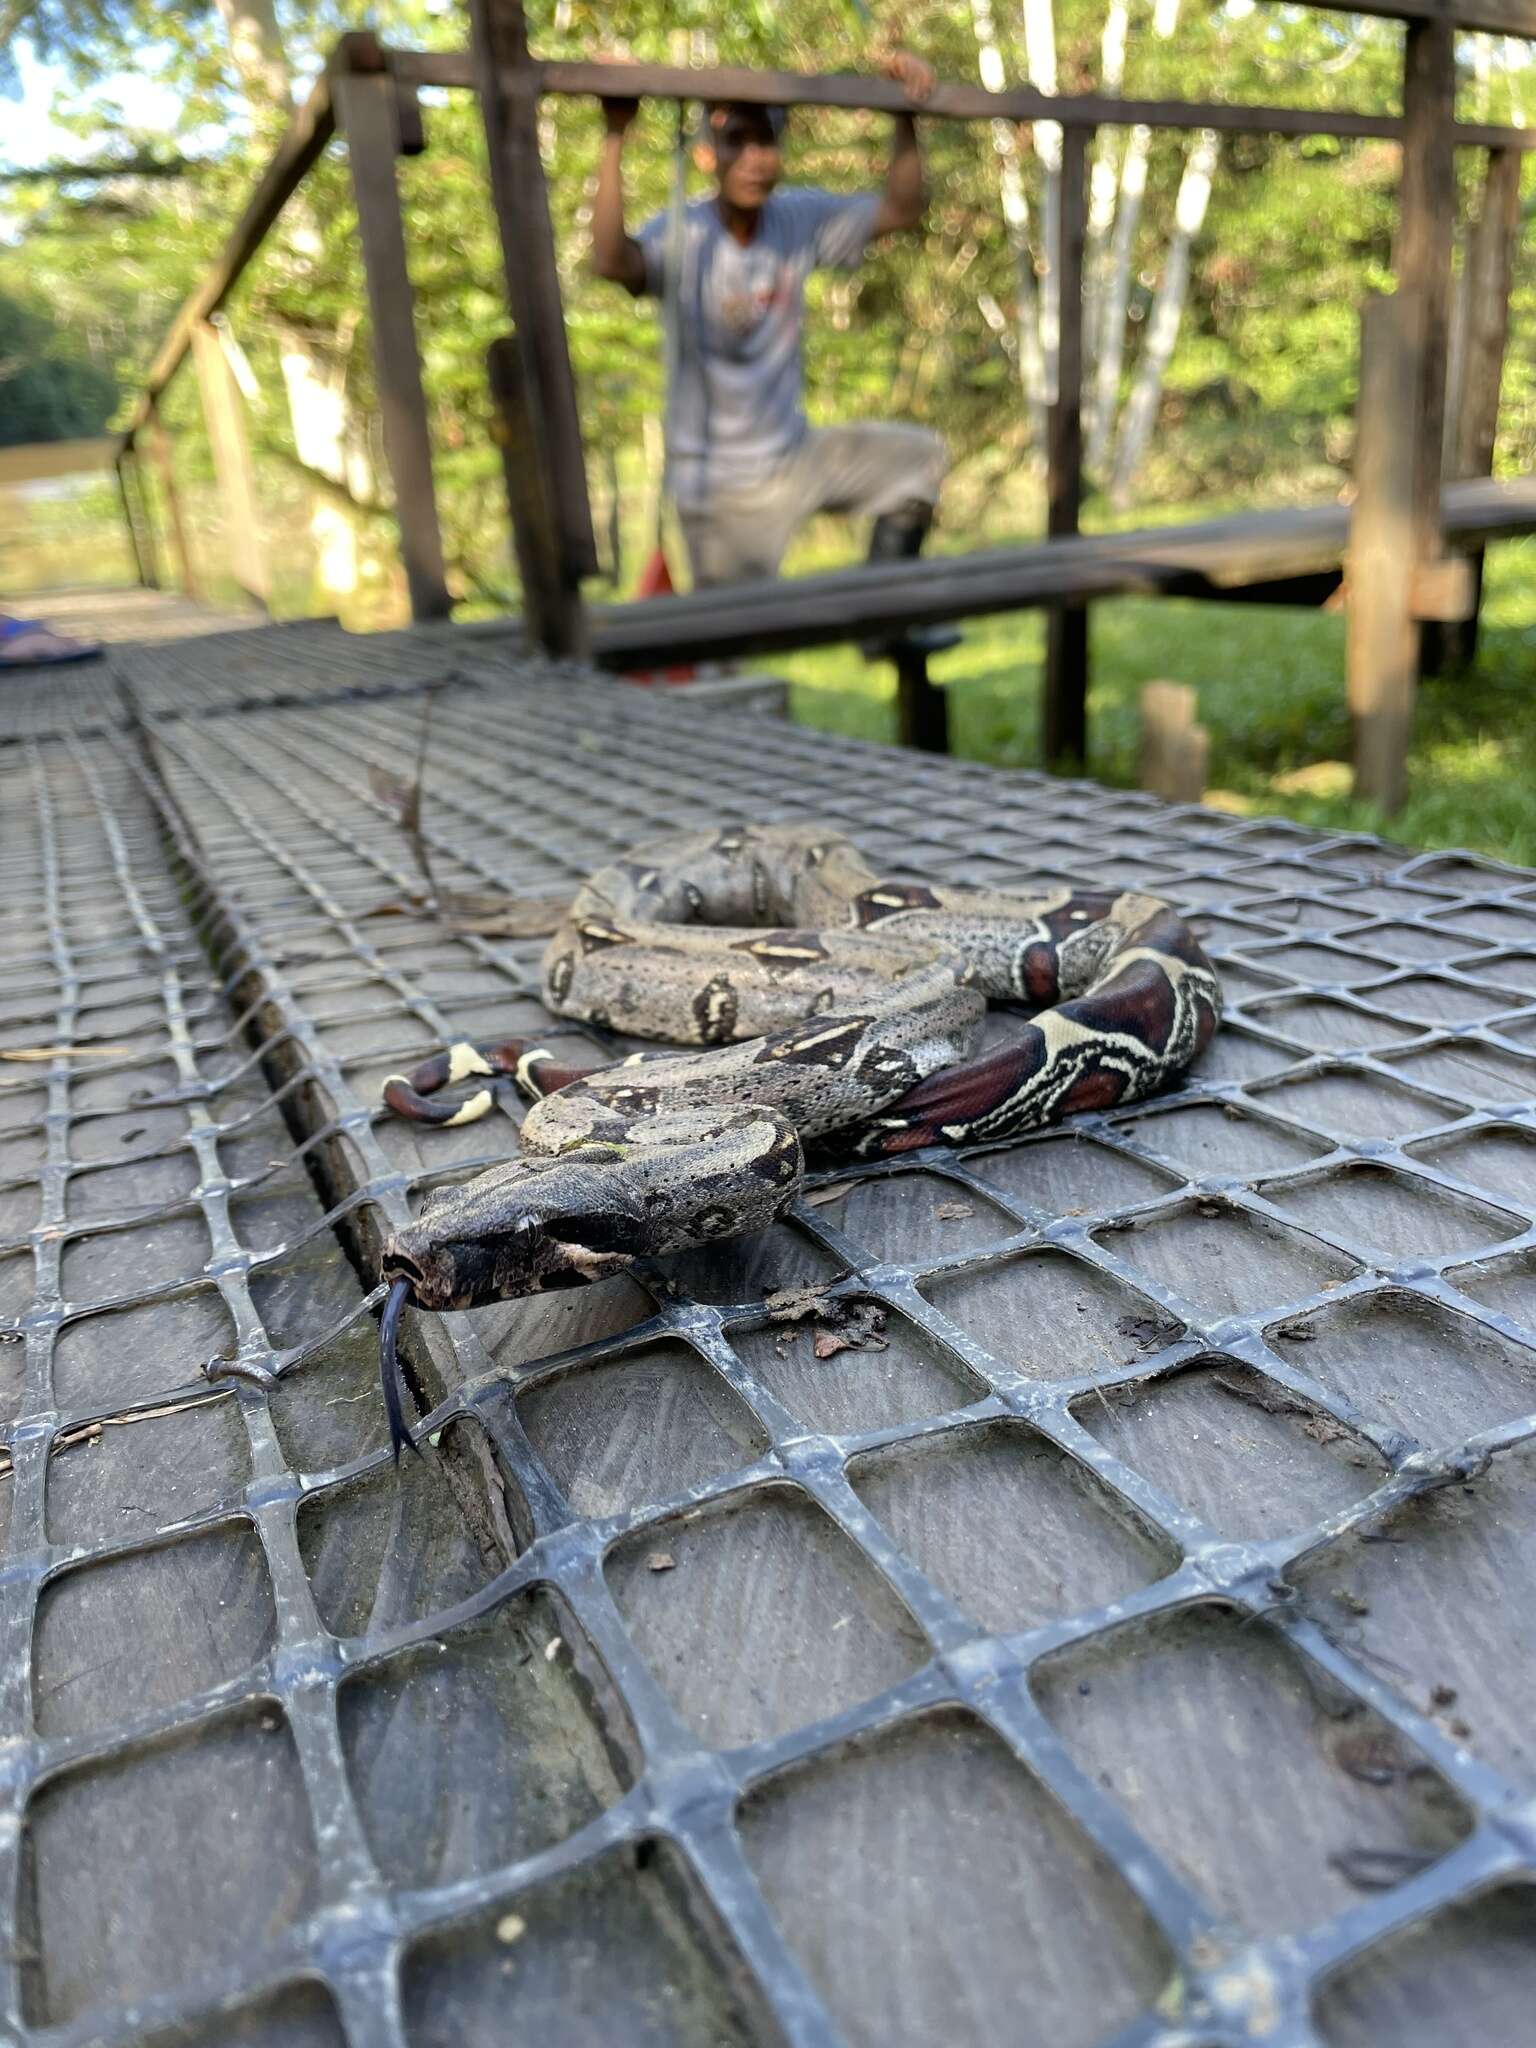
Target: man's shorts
<point x="872" y="467"/>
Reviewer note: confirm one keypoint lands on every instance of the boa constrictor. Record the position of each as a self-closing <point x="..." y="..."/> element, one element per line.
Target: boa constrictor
<point x="835" y="1007"/>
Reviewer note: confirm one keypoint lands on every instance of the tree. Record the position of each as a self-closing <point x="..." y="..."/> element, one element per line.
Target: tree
<point x="50" y="388"/>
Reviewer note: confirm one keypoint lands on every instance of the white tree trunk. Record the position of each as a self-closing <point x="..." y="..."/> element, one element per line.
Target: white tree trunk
<point x="256" y="50"/>
<point x="1103" y="184"/>
<point x="1117" y="294"/>
<point x="1517" y="58"/>
<point x="1015" y="206"/>
<point x="1040" y="66"/>
<point x="1167" y="313"/>
<point x="1109" y="350"/>
<point x="322" y="439"/>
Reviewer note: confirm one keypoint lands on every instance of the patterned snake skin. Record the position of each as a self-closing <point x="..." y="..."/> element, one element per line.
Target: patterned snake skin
<point x="835" y="1007"/>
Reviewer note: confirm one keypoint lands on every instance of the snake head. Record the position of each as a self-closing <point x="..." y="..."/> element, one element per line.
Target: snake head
<point x="519" y="1229"/>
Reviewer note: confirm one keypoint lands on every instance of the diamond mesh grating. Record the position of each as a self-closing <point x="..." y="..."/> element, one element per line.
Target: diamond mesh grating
<point x="1137" y="1635"/>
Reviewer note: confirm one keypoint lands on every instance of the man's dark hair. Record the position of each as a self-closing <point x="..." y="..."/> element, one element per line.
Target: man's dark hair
<point x="716" y="111"/>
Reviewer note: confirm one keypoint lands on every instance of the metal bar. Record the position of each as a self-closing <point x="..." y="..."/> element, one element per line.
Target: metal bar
<point x="225" y="418"/>
<point x="367" y="114"/>
<point x="1064" y="702"/>
<point x="509" y="104"/>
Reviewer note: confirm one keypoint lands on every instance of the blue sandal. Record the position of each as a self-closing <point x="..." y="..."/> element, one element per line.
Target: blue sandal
<point x="56" y="648"/>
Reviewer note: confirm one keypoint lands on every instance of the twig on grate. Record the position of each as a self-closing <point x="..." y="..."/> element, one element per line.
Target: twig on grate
<point x="480" y="913"/>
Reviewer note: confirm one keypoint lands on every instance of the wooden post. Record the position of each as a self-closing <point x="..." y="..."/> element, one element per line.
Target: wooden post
<point x="368" y="114"/>
<point x="1064" y="736"/>
<point x="1422" y="259"/>
<point x="1382" y="639"/>
<point x="140" y="540"/>
<point x="1489" y="277"/>
<point x="1175" y="747"/>
<point x="225" y="419"/>
<point x="922" y="709"/>
<point x="552" y="604"/>
<point x="160" y="441"/>
<point x="546" y="391"/>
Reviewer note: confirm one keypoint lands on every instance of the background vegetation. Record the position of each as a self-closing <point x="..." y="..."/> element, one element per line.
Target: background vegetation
<point x="1255" y="406"/>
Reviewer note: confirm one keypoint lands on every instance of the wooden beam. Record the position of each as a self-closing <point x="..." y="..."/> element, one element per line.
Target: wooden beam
<point x="1278" y="556"/>
<point x="452" y="69"/>
<point x="225" y="420"/>
<point x="1488" y="135"/>
<point x="160" y="441"/>
<point x="1422" y="260"/>
<point x="302" y="142"/>
<point x="618" y="79"/>
<point x="1381" y="648"/>
<point x="551" y="601"/>
<point x="509" y="104"/>
<point x="1488" y="282"/>
<point x="140" y="545"/>
<point x="1064" y="710"/>
<point x="367" y="112"/>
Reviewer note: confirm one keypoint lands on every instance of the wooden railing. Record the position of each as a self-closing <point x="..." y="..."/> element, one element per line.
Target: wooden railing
<point x="368" y="95"/>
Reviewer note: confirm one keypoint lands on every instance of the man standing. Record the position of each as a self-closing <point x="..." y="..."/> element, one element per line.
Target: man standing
<point x="744" y="467"/>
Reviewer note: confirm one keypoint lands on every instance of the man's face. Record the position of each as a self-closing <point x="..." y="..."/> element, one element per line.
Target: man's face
<point x="747" y="158"/>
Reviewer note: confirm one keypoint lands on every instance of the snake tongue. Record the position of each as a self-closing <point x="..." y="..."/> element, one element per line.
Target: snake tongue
<point x="390" y="1375"/>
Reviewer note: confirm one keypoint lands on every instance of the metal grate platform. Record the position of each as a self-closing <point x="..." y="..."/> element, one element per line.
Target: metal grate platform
<point x="1136" y="1649"/>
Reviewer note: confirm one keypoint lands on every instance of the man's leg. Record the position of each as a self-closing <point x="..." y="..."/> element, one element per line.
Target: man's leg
<point x="741" y="538"/>
<point x="885" y="470"/>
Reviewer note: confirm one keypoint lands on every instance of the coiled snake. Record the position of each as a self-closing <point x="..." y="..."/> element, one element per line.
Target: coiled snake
<point x="834" y="1006"/>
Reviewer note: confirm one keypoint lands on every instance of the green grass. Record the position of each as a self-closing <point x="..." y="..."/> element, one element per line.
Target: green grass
<point x="1271" y="693"/>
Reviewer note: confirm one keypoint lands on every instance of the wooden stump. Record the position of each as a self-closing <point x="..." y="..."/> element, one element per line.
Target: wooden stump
<point x="1174" y="748"/>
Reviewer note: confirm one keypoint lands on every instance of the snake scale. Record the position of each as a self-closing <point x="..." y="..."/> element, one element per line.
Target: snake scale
<point x="832" y="1007"/>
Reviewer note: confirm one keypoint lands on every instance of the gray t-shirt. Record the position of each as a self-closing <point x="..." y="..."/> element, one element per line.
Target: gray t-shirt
<point x="735" y="410"/>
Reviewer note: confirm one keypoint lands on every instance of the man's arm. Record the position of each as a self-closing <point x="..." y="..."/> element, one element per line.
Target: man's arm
<point x="616" y="254"/>
<point x="905" y="198"/>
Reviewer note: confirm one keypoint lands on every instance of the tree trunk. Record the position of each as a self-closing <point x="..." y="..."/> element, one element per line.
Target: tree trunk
<point x="322" y="439"/>
<point x="1040" y="65"/>
<point x="256" y="50"/>
<point x="1111" y="350"/>
<point x="1015" y="206"/>
<point x="1104" y="183"/>
<point x="1167" y="313"/>
<point x="1108" y="346"/>
<point x="327" y="437"/>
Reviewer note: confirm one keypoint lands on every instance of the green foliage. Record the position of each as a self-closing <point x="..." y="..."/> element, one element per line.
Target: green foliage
<point x="50" y="388"/>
